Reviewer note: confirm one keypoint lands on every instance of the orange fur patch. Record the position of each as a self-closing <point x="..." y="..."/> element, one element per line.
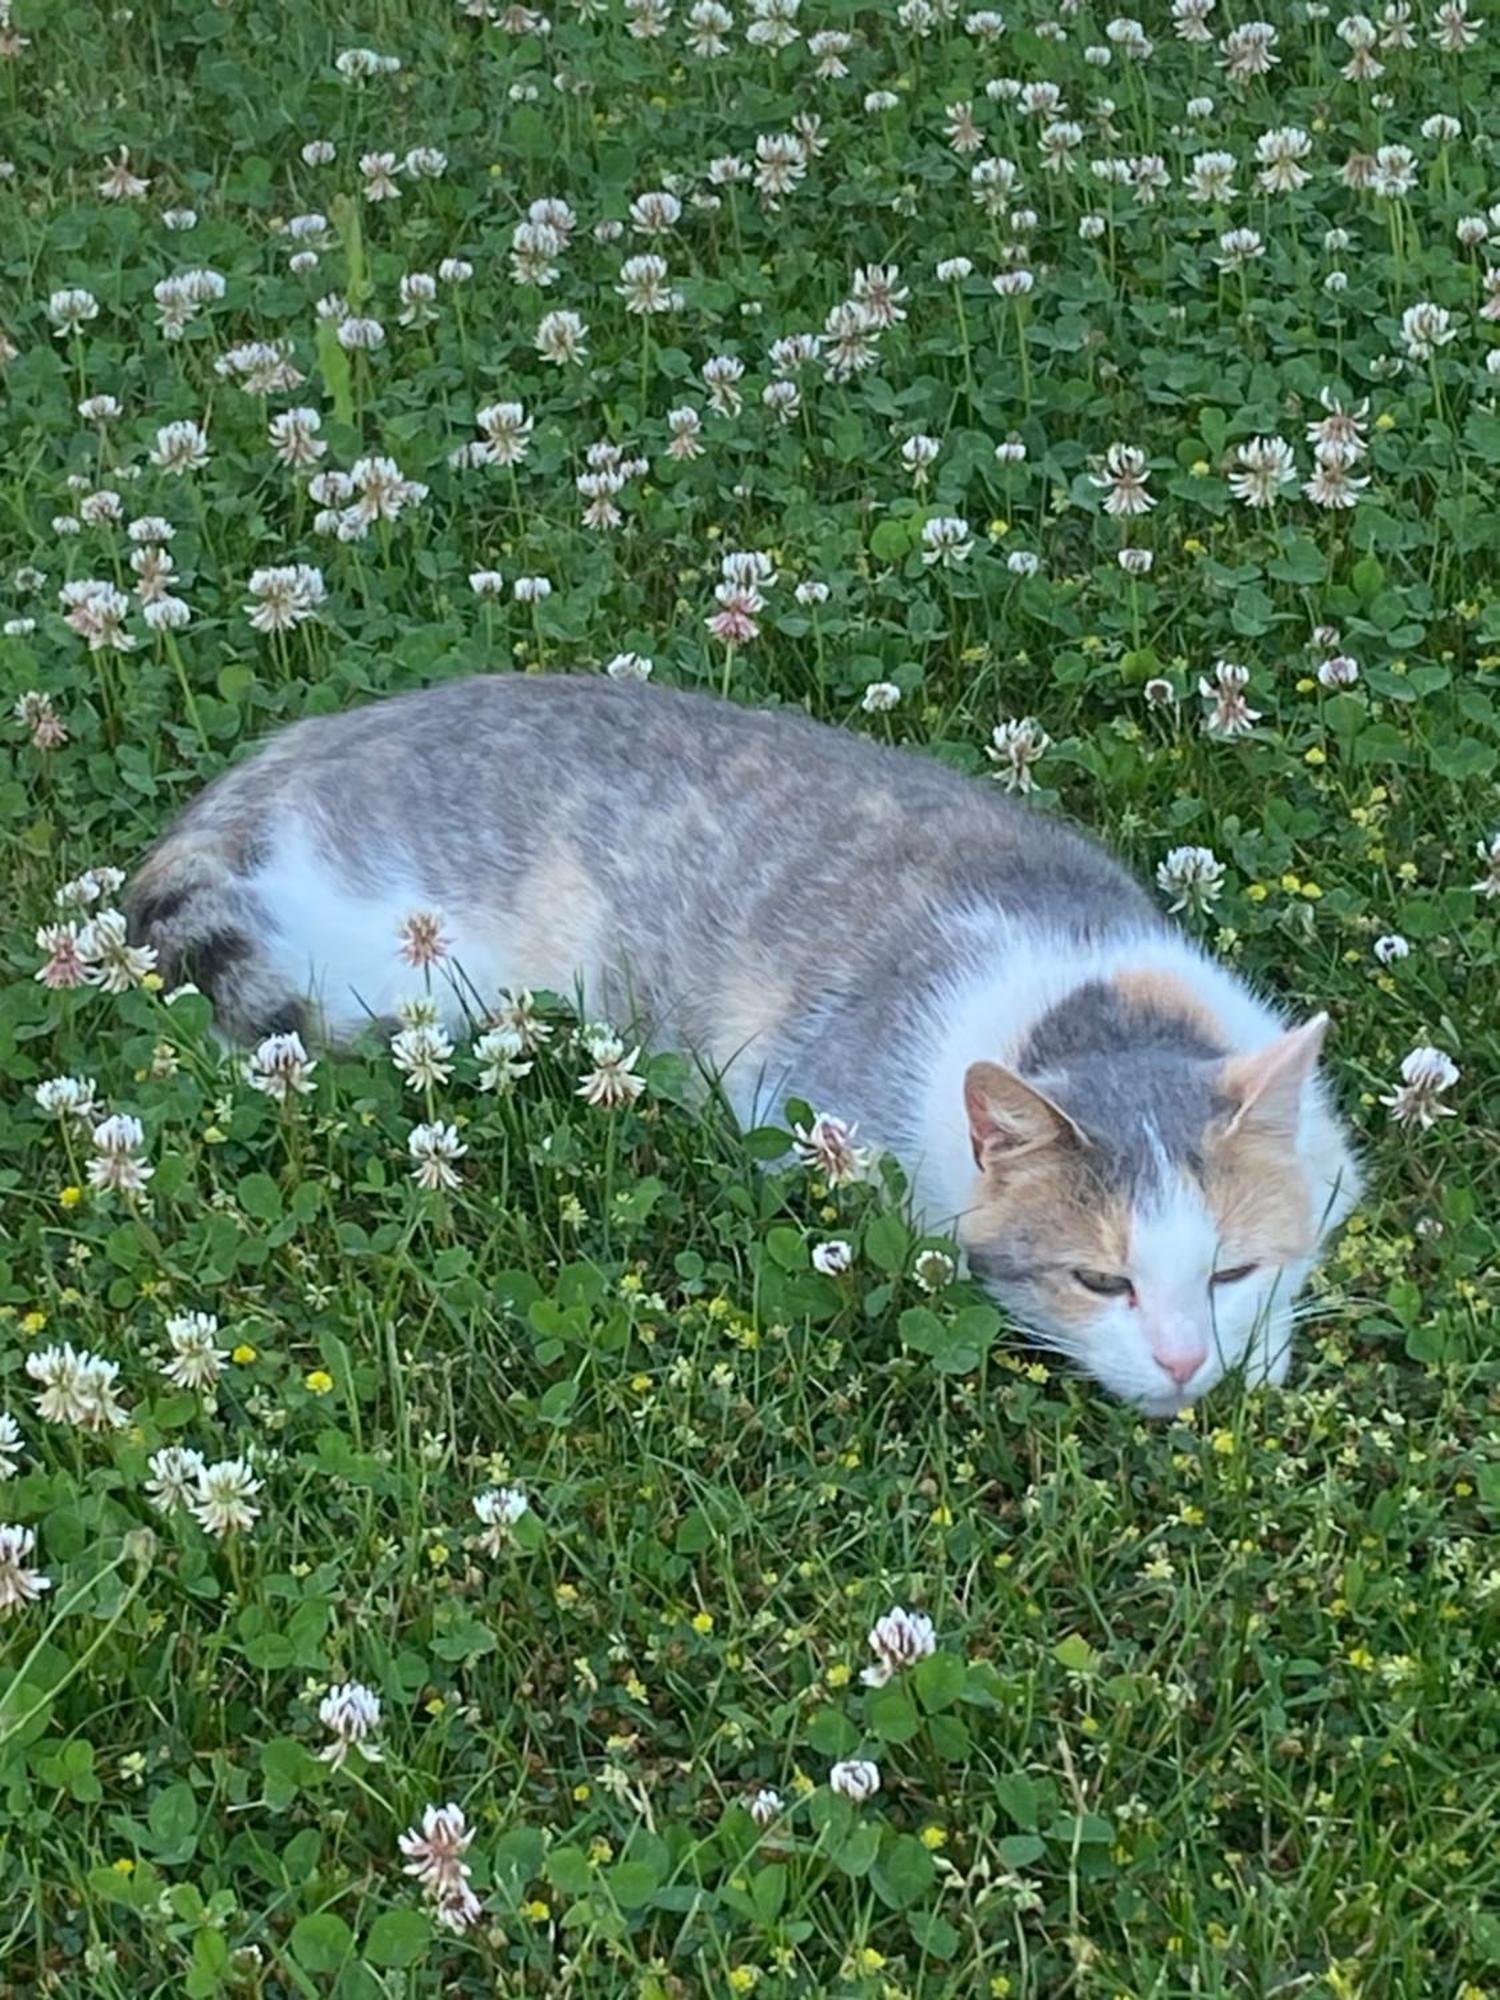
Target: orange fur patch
<point x="1258" y="1194"/>
<point x="1158" y="992"/>
<point x="1047" y="1198"/>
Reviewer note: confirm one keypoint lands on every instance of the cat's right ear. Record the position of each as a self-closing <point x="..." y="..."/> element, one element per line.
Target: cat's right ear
<point x="1009" y="1117"/>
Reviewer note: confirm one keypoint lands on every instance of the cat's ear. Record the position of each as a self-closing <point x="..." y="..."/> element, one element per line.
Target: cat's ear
<point x="1009" y="1117"/>
<point x="1265" y="1088"/>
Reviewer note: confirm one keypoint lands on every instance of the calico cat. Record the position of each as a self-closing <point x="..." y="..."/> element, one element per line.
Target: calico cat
<point x="1134" y="1150"/>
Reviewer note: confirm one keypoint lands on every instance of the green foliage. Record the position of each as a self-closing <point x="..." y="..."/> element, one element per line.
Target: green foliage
<point x="1212" y="1707"/>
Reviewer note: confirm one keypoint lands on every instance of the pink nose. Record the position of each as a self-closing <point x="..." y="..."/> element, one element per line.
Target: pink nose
<point x="1183" y="1364"/>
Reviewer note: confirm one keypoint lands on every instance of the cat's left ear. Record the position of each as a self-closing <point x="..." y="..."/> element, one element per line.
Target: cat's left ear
<point x="1265" y="1088"/>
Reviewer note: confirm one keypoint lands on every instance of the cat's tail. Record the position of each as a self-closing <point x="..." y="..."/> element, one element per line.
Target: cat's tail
<point x="192" y="901"/>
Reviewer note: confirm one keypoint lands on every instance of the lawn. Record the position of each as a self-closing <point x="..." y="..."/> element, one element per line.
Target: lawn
<point x="1106" y="407"/>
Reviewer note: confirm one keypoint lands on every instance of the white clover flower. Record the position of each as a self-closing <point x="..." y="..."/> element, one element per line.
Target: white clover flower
<point x="223" y="1498"/>
<point x="180" y="447"/>
<point x="1192" y="876"/>
<point x="1013" y="749"/>
<point x="433" y="1149"/>
<point x="281" y="1068"/>
<point x="630" y="667"/>
<point x="350" y="1712"/>
<point x="933" y="1270"/>
<point x="498" y="1051"/>
<point x="76" y="1388"/>
<point x="175" y="1471"/>
<point x="828" y="1148"/>
<point x="19" y="1583"/>
<point x="898" y="1640"/>
<point x="1425" y="1074"/>
<point x="434" y="1852"/>
<point x="11" y="1445"/>
<point x="857" y="1779"/>
<point x="68" y="1097"/>
<point x="499" y="1508"/>
<point x="197" y="1360"/>
<point x="1425" y="328"/>
<point x="947" y="541"/>
<point x="117" y="1165"/>
<point x="833" y="1258"/>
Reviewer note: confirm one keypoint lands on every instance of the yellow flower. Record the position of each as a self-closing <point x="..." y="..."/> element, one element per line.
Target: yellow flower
<point x="1385" y="421"/>
<point x="319" y="1381"/>
<point x="1257" y="892"/>
<point x="942" y="1516"/>
<point x="999" y="530"/>
<point x="868" y="1959"/>
<point x="1315" y="756"/>
<point x="537" y="1910"/>
<point x="33" y="1322"/>
<point x="1224" y="1443"/>
<point x="934" y="1837"/>
<point x="838" y="1675"/>
<point x="243" y="1353"/>
<point x="125" y="1865"/>
<point x="703" y="1622"/>
<point x="69" y="1197"/>
<point x="1000" y="1987"/>
<point x="583" y="1793"/>
<point x="600" y="1851"/>
<point x="437" y="1555"/>
<point x="152" y="982"/>
<point x="743" y="1978"/>
<point x="1291" y="883"/>
<point x="1306" y="684"/>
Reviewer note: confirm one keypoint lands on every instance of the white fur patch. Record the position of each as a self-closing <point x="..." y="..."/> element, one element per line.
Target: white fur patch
<point x="341" y="946"/>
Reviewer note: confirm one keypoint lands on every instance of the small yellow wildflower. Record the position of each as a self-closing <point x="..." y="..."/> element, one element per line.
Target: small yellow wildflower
<point x="703" y="1622"/>
<point x="538" y="1911"/>
<point x="243" y="1354"/>
<point x="69" y="1197"/>
<point x="838" y="1675"/>
<point x="743" y="1978"/>
<point x="318" y="1380"/>
<point x="934" y="1837"/>
<point x="437" y="1555"/>
<point x="33" y="1322"/>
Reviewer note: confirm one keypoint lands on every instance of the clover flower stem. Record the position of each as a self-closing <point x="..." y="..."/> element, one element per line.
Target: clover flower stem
<point x="724" y="684"/>
<point x="964" y="341"/>
<point x="13" y="1725"/>
<point x="174" y="654"/>
<point x="1024" y="357"/>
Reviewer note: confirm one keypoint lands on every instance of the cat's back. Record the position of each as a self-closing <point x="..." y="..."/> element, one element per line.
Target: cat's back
<point x="619" y="823"/>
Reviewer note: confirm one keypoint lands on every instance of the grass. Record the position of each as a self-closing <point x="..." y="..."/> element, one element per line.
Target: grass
<point x="1212" y="1709"/>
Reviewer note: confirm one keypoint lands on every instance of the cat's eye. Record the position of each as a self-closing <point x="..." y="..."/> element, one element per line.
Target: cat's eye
<point x="1107" y="1284"/>
<point x="1233" y="1277"/>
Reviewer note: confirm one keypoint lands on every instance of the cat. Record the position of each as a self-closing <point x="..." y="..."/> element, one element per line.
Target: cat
<point x="1136" y="1153"/>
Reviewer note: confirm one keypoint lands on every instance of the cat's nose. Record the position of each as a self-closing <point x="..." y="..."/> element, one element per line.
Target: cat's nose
<point x="1182" y="1363"/>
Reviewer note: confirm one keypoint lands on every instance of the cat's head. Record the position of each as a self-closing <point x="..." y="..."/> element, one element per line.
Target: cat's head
<point x="1152" y="1213"/>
